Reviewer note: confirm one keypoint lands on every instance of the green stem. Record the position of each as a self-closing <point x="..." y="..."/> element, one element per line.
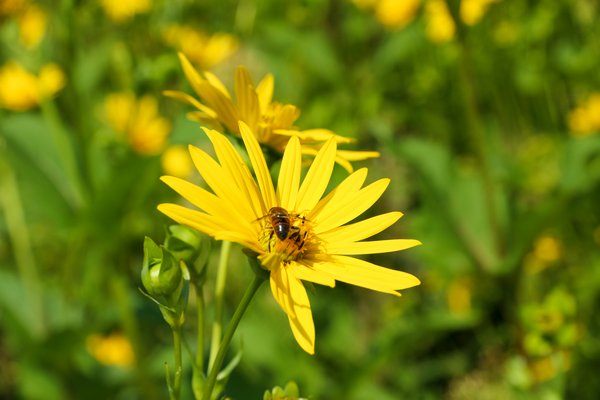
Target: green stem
<point x="178" y="365"/>
<point x="200" y="336"/>
<point x="16" y="225"/>
<point x="231" y="328"/>
<point x="217" y="327"/>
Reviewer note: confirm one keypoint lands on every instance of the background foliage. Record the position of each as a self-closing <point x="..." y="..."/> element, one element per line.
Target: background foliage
<point x="486" y="114"/>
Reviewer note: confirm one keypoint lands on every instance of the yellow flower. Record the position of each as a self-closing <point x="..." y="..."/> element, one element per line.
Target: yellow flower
<point x="396" y="14"/>
<point x="204" y="50"/>
<point x="471" y="11"/>
<point x="122" y="10"/>
<point x="298" y="234"/>
<point x="138" y="120"/>
<point x="32" y="26"/>
<point x="21" y="90"/>
<point x="439" y="27"/>
<point x="113" y="350"/>
<point x="271" y="122"/>
<point x="584" y="120"/>
<point x="176" y="161"/>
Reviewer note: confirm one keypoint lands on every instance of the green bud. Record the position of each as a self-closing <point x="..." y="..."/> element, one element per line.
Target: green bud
<point x="190" y="246"/>
<point x="161" y="273"/>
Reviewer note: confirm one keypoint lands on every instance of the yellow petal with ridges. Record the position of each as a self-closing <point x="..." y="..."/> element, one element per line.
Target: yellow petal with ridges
<point x="300" y="318"/>
<point x="343" y="209"/>
<point x="220" y="104"/>
<point x="365" y="274"/>
<point x="372" y="247"/>
<point x="192" y="218"/>
<point x="317" y="178"/>
<point x="186" y="98"/>
<point x="264" y="90"/>
<point x="259" y="165"/>
<point x="361" y="230"/>
<point x="306" y="273"/>
<point x="349" y="187"/>
<point x="190" y="73"/>
<point x="289" y="175"/>
<point x="231" y="161"/>
<point x="216" y="82"/>
<point x="247" y="100"/>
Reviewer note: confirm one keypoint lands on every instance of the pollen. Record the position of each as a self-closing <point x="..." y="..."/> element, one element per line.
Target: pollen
<point x="299" y="241"/>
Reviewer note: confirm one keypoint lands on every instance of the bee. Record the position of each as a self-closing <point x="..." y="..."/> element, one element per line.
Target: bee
<point x="280" y="220"/>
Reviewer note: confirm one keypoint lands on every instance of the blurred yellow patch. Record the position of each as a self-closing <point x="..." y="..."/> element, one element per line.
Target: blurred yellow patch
<point x="459" y="296"/>
<point x="113" y="350"/>
<point x="439" y="26"/>
<point x="204" y="50"/>
<point x="547" y="248"/>
<point x="122" y="10"/>
<point x="176" y="161"/>
<point x="138" y="120"/>
<point x="548" y="367"/>
<point x="584" y="119"/>
<point x="396" y="14"/>
<point x="471" y="11"/>
<point x="21" y="90"/>
<point x="32" y="26"/>
<point x="9" y="7"/>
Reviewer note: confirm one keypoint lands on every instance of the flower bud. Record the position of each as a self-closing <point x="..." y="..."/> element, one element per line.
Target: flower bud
<point x="162" y="276"/>
<point x="190" y="246"/>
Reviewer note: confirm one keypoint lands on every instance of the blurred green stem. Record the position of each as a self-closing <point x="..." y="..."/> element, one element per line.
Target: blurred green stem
<point x="221" y="278"/>
<point x="64" y="147"/>
<point x="257" y="280"/>
<point x="16" y="225"/>
<point x="178" y="364"/>
<point x="474" y="125"/>
<point x="200" y="335"/>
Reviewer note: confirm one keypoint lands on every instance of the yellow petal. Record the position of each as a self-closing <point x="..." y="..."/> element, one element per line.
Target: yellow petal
<point x="365" y="274"/>
<point x="317" y="178"/>
<point x="343" y="209"/>
<point x="220" y="181"/>
<point x="279" y="286"/>
<point x="220" y="104"/>
<point x="186" y="98"/>
<point x="264" y="90"/>
<point x="216" y="82"/>
<point x="247" y="100"/>
<point x="361" y="230"/>
<point x="231" y="161"/>
<point x="373" y="247"/>
<point x="289" y="175"/>
<point x="306" y="273"/>
<point x="349" y="187"/>
<point x="190" y="73"/>
<point x="260" y="166"/>
<point x="351" y="155"/>
<point x="223" y="209"/>
<point x="192" y="218"/>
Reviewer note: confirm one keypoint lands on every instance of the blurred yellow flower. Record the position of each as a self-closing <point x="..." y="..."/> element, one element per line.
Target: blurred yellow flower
<point x="584" y="119"/>
<point x="112" y="350"/>
<point x="396" y="14"/>
<point x="439" y="25"/>
<point x="21" y="90"/>
<point x="471" y="11"/>
<point x="547" y="248"/>
<point x="122" y="10"/>
<point x="204" y="50"/>
<point x="313" y="243"/>
<point x="459" y="296"/>
<point x="32" y="25"/>
<point x="176" y="161"/>
<point x="271" y="122"/>
<point x="139" y="120"/>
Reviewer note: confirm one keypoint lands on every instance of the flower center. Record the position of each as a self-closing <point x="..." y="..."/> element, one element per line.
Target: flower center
<point x="286" y="234"/>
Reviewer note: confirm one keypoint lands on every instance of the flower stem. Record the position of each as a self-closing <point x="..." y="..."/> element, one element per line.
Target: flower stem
<point x="178" y="364"/>
<point x="221" y="278"/>
<point x="257" y="280"/>
<point x="200" y="335"/>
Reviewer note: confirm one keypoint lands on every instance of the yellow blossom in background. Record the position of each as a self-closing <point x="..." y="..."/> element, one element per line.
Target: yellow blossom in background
<point x="439" y="26"/>
<point x="396" y="14"/>
<point x="204" y="50"/>
<point x="548" y="249"/>
<point x="139" y="121"/>
<point x="314" y="244"/>
<point x="21" y="90"/>
<point x="32" y="26"/>
<point x="122" y="10"/>
<point x="112" y="350"/>
<point x="459" y="296"/>
<point x="471" y="11"/>
<point x="271" y="122"/>
<point x="176" y="161"/>
<point x="584" y="120"/>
